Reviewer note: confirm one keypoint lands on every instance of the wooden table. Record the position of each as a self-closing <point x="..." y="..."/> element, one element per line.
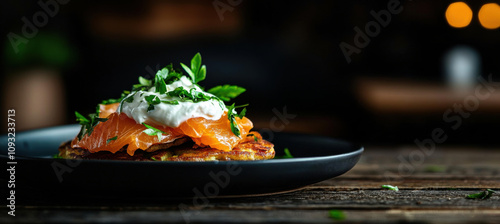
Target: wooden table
<point x="432" y="189"/>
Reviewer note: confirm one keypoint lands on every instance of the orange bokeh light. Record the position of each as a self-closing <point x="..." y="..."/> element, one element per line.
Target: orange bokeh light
<point x="489" y="16"/>
<point x="458" y="14"/>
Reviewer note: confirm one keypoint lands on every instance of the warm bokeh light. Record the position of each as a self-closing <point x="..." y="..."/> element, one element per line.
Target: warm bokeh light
<point x="458" y="14"/>
<point x="489" y="16"/>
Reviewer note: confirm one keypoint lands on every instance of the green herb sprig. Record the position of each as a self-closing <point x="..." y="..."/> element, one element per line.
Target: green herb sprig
<point x="111" y="139"/>
<point x="390" y="187"/>
<point x="232" y="114"/>
<point x="481" y="195"/>
<point x="227" y="92"/>
<point x="143" y="84"/>
<point x="337" y="215"/>
<point x="287" y="155"/>
<point x="254" y="137"/>
<point x="163" y="77"/>
<point x="152" y="131"/>
<point x="196" y="72"/>
<point x="88" y="124"/>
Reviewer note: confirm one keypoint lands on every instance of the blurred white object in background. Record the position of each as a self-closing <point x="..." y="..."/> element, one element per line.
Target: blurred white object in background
<point x="462" y="67"/>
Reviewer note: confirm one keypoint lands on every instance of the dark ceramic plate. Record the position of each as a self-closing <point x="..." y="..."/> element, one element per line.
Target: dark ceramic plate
<point x="315" y="159"/>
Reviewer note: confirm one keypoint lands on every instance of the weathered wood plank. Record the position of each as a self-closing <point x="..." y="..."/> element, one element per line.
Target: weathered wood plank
<point x="411" y="162"/>
<point x="309" y="198"/>
<point x="421" y="183"/>
<point x="257" y="216"/>
<point x="363" y="199"/>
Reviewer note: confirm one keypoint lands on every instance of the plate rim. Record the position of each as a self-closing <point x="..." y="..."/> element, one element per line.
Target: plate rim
<point x="355" y="149"/>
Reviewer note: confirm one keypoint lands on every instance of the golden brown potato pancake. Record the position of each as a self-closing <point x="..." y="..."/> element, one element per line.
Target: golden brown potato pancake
<point x="250" y="148"/>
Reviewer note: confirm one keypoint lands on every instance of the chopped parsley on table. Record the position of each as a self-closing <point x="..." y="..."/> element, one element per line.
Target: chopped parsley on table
<point x="481" y="195"/>
<point x="336" y="215"/>
<point x="390" y="187"/>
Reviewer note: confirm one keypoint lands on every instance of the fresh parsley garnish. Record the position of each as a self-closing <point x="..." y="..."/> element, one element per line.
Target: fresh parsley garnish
<point x="390" y="187"/>
<point x="232" y="114"/>
<point x="160" y="85"/>
<point x="111" y="139"/>
<point x="185" y="95"/>
<point x="129" y="99"/>
<point x="88" y="124"/>
<point x="254" y="137"/>
<point x="173" y="102"/>
<point x="227" y="92"/>
<point x="336" y="214"/>
<point x="153" y="131"/>
<point x="481" y="195"/>
<point x="191" y="95"/>
<point x="110" y="101"/>
<point x="173" y="74"/>
<point x="152" y="100"/>
<point x="163" y="77"/>
<point x="196" y="72"/>
<point x="144" y="84"/>
<point x="287" y="155"/>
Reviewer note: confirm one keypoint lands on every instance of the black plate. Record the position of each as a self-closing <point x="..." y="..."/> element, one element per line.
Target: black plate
<point x="315" y="159"/>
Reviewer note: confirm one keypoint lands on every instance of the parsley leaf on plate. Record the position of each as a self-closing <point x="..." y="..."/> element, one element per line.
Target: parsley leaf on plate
<point x="287" y="155"/>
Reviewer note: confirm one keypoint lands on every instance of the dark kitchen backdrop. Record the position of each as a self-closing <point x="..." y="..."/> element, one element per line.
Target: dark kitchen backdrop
<point x="377" y="72"/>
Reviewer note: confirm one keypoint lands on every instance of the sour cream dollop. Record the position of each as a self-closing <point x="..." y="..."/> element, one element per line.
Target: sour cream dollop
<point x="171" y="115"/>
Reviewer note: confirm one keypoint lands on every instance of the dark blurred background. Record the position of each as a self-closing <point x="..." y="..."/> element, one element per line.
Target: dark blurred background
<point x="378" y="72"/>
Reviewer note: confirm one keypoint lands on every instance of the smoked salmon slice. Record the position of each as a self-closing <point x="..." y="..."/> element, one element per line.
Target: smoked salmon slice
<point x="107" y="109"/>
<point x="216" y="134"/>
<point x="120" y="131"/>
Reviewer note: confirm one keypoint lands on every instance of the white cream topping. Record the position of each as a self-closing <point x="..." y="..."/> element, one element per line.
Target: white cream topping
<point x="171" y="115"/>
